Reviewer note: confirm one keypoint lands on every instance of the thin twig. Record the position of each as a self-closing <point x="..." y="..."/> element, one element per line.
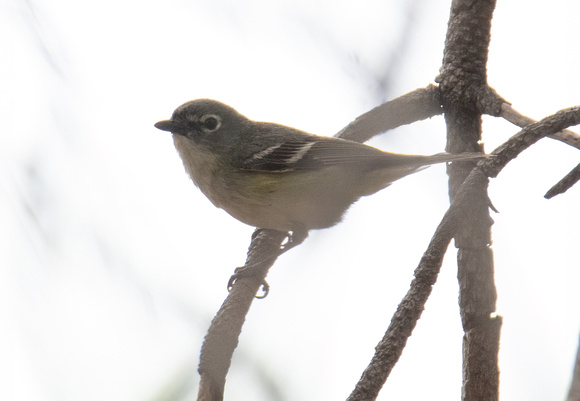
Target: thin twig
<point x="529" y="135"/>
<point x="568" y="137"/>
<point x="417" y="105"/>
<point x="565" y="183"/>
<point x="515" y="117"/>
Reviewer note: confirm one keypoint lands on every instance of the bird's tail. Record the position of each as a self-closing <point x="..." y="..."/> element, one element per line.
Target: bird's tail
<point x="451" y="157"/>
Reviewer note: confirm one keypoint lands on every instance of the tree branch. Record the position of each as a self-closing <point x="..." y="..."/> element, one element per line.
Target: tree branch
<point x="565" y="183"/>
<point x="414" y="106"/>
<point x="465" y="96"/>
<point x="528" y="136"/>
<point x="515" y="117"/>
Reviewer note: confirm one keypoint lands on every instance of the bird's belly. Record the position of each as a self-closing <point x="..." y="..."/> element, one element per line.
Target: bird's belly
<point x="287" y="203"/>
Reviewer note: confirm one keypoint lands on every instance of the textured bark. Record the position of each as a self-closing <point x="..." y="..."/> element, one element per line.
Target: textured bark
<point x="463" y="84"/>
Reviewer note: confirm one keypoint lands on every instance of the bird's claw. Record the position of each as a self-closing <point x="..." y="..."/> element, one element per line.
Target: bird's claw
<point x="295" y="238"/>
<point x="243" y="271"/>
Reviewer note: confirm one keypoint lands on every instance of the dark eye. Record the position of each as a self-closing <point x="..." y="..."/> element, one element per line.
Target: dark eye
<point x="210" y="122"/>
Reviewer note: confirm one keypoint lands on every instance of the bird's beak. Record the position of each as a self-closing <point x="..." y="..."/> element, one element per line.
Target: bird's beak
<point x="171" y="126"/>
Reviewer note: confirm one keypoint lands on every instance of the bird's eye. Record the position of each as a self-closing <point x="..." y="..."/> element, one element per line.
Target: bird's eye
<point x="210" y="123"/>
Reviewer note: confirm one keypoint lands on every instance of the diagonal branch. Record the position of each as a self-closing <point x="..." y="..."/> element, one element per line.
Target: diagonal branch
<point x="528" y="136"/>
<point x="515" y="117"/>
<point x="414" y="106"/>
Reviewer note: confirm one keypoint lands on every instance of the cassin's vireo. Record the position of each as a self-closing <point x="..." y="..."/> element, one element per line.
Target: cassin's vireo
<point x="272" y="176"/>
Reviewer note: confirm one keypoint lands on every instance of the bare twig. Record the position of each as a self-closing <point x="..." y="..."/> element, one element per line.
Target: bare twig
<point x="515" y="117"/>
<point x="565" y="183"/>
<point x="414" y="106"/>
<point x="391" y="346"/>
<point x="529" y="135"/>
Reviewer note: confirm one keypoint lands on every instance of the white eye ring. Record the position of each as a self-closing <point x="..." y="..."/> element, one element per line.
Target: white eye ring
<point x="210" y="123"/>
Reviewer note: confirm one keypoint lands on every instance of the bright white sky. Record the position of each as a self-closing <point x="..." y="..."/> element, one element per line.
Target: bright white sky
<point x="117" y="263"/>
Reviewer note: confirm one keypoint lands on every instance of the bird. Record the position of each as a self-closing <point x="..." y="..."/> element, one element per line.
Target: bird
<point x="272" y="176"/>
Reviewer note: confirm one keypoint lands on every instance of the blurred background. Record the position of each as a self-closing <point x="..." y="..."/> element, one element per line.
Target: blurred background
<point x="113" y="263"/>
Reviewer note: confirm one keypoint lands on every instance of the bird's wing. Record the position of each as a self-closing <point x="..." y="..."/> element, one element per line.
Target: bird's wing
<point x="277" y="148"/>
<point x="312" y="153"/>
